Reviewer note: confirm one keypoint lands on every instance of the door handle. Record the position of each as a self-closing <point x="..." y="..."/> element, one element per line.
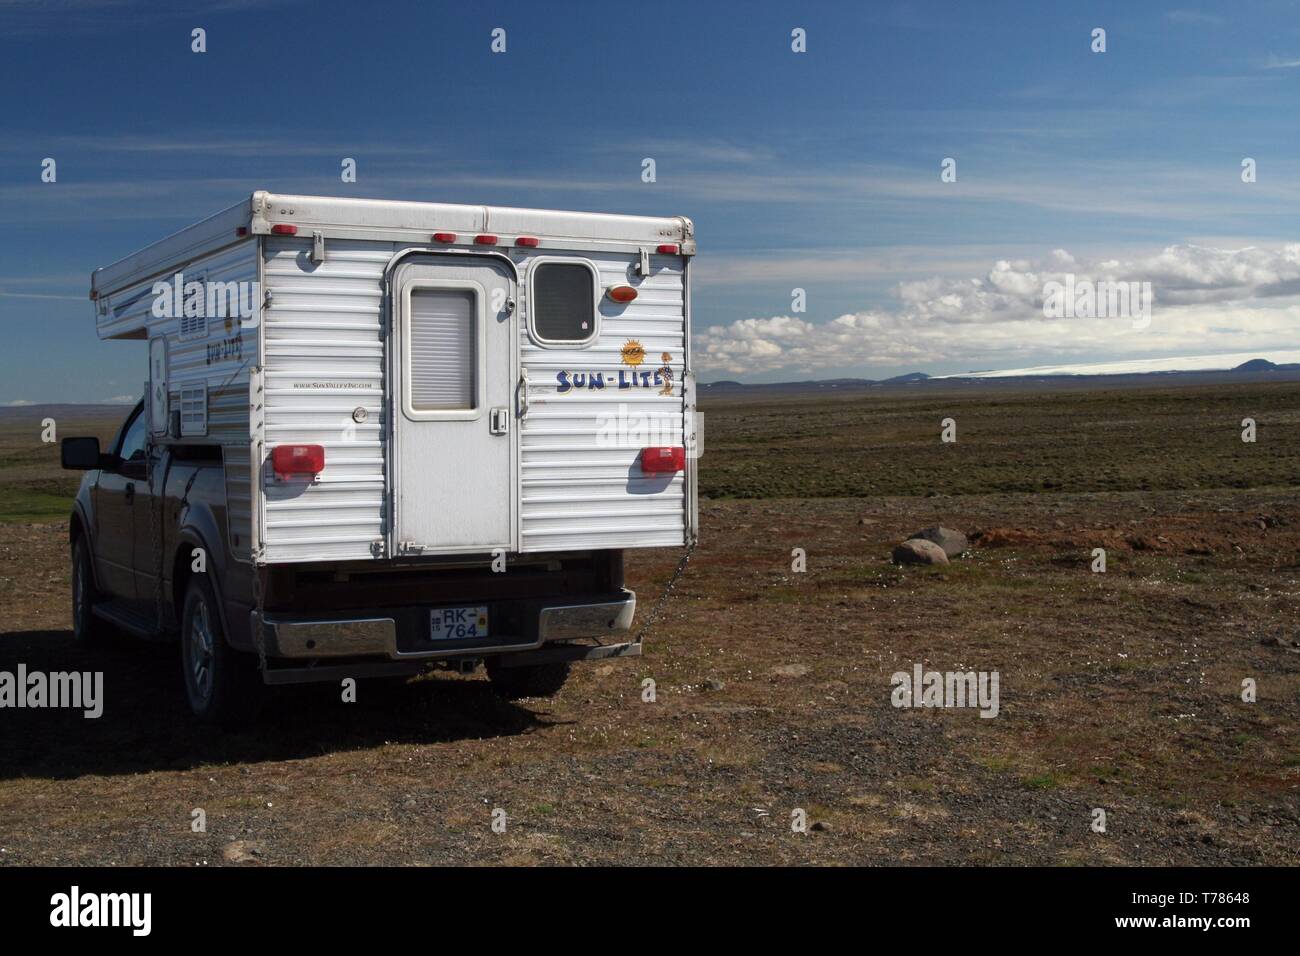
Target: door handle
<point x="129" y="492"/>
<point x="499" y="421"/>
<point x="523" y="394"/>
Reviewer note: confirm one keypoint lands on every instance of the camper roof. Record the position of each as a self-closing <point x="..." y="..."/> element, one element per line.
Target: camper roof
<point x="389" y="220"/>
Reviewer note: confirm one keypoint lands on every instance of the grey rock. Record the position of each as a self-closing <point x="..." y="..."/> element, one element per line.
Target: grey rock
<point x="919" y="551"/>
<point x="953" y="542"/>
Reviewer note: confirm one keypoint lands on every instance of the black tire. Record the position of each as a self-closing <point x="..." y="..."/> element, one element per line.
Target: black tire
<point x="222" y="685"/>
<point x="533" y="680"/>
<point x="86" y="628"/>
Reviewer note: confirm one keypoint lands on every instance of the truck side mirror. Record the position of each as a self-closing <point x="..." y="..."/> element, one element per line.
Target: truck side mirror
<point x="80" y="454"/>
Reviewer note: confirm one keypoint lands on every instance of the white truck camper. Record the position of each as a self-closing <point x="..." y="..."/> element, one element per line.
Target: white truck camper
<point x="397" y="434"/>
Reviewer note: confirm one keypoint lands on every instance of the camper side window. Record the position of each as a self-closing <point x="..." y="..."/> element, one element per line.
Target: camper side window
<point x="564" y="294"/>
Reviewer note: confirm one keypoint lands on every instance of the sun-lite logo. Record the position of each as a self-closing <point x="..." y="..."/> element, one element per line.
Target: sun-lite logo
<point x="632" y="355"/>
<point x="567" y="381"/>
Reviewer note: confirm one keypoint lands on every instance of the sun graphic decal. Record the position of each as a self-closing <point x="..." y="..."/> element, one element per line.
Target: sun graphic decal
<point x="633" y="353"/>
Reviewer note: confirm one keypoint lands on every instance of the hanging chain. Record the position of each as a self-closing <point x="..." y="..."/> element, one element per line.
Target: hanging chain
<point x="259" y="633"/>
<point x="672" y="583"/>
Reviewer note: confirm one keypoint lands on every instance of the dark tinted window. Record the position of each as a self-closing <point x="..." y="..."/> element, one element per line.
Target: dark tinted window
<point x="133" y="441"/>
<point x="564" y="307"/>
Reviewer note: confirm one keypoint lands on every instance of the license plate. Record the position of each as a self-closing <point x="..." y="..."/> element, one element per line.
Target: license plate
<point x="458" y="623"/>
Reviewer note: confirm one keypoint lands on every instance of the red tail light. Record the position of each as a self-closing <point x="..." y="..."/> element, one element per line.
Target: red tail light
<point x="526" y="241"/>
<point x="283" y="229"/>
<point x="485" y="240"/>
<point x="663" y="460"/>
<point x="622" y="293"/>
<point x="288" y="460"/>
<point x="444" y="237"/>
<point x="669" y="248"/>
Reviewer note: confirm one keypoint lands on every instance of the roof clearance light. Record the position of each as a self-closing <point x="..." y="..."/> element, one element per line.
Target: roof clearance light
<point x="485" y="240"/>
<point x="283" y="229"/>
<point x="663" y="460"/>
<point x="290" y="460"/>
<point x="622" y="293"/>
<point x="669" y="248"/>
<point x="529" y="241"/>
<point x="444" y="237"/>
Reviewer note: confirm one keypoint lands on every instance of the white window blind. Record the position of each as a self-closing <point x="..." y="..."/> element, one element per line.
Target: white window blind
<point x="440" y="350"/>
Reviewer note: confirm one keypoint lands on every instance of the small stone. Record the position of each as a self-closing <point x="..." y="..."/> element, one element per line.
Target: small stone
<point x="241" y="851"/>
<point x="790" y="670"/>
<point x="919" y="551"/>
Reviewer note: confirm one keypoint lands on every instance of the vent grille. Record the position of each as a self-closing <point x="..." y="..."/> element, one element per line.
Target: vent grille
<point x="194" y="410"/>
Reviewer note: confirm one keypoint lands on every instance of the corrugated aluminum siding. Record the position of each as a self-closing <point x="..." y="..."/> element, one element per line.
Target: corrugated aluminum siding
<point x="219" y="359"/>
<point x="577" y="493"/>
<point x="324" y="356"/>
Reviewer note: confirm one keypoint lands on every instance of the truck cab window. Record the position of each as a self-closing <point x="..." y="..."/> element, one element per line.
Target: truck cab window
<point x="564" y="297"/>
<point x="133" y="441"/>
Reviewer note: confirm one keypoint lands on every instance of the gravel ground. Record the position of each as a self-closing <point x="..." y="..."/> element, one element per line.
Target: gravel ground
<point x="1119" y="691"/>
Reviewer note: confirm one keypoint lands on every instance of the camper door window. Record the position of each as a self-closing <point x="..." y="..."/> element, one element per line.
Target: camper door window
<point x="564" y="294"/>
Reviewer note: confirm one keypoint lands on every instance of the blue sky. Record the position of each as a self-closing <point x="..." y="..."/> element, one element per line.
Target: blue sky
<point x="817" y="170"/>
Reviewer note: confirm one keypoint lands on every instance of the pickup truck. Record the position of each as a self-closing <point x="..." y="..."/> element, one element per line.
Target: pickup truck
<point x="380" y="436"/>
<point x="151" y="556"/>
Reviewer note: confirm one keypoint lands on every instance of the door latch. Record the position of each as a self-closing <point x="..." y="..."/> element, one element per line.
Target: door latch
<point x="499" y="421"/>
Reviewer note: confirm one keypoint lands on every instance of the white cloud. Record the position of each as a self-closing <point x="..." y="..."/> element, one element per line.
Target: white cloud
<point x="1205" y="300"/>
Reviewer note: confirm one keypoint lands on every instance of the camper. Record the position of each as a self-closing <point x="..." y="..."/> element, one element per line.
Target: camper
<point x="380" y="436"/>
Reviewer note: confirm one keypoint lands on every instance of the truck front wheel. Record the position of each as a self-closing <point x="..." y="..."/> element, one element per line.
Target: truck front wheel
<point x="86" y="628"/>
<point x="531" y="680"/>
<point x="221" y="684"/>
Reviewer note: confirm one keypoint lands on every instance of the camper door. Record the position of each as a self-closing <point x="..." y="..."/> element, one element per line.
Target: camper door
<point x="452" y="362"/>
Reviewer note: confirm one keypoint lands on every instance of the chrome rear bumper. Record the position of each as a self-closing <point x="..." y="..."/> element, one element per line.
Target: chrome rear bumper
<point x="294" y="637"/>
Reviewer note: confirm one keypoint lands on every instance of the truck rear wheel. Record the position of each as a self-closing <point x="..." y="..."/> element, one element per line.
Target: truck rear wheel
<point x="531" y="680"/>
<point x="221" y="684"/>
<point x="86" y="628"/>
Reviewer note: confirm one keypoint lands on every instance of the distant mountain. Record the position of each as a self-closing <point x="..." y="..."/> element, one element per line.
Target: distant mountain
<point x="36" y="412"/>
<point x="811" y="385"/>
<point x="907" y="379"/>
<point x="1264" y="365"/>
<point x="1096" y="376"/>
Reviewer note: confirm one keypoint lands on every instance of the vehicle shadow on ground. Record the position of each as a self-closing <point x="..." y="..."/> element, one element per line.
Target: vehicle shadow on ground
<point x="146" y="724"/>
